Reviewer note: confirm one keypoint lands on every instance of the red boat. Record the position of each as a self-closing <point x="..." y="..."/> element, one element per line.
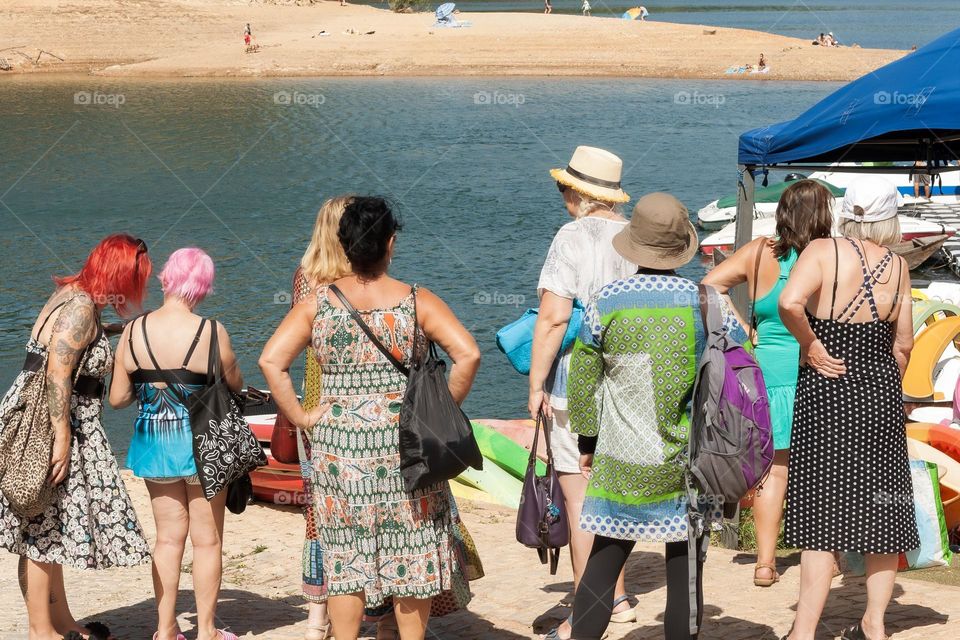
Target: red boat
<point x="277" y="482"/>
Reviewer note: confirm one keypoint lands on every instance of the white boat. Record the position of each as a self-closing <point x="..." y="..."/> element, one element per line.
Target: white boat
<point x="944" y="189"/>
<point x="724" y="240"/>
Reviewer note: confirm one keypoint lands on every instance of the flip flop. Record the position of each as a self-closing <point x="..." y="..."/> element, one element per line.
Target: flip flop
<point x="98" y="631"/>
<point x="623" y="617"/>
<point x="226" y="635"/>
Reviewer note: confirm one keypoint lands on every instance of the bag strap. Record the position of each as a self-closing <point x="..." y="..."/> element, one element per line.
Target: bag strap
<point x="367" y="330"/>
<point x="193" y="345"/>
<point x="214" y="362"/>
<point x="752" y="322"/>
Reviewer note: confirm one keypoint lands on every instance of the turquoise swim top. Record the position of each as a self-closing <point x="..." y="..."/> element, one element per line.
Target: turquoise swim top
<point x="777" y="351"/>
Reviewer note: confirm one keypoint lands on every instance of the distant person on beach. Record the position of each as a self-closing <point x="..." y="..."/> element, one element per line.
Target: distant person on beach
<point x="921" y="179"/>
<point x="547" y="7"/>
<point x="580" y="261"/>
<point x="643" y="14"/>
<point x="87" y="521"/>
<point x="247" y="35"/>
<point x="161" y="361"/>
<point x="403" y="550"/>
<point x="804" y="213"/>
<point x="762" y="64"/>
<point x="586" y="7"/>
<point x="848" y="304"/>
<point x="821" y="39"/>
<point x="631" y="378"/>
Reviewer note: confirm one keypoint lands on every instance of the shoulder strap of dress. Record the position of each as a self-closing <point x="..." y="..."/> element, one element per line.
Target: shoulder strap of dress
<point x="193" y="345"/>
<point x="146" y="343"/>
<point x="133" y="353"/>
<point x="896" y="295"/>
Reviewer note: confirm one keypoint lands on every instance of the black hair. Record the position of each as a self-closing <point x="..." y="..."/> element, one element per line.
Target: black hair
<point x="365" y="230"/>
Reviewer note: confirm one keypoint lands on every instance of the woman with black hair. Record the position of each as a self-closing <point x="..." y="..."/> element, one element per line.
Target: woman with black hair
<point x="378" y="540"/>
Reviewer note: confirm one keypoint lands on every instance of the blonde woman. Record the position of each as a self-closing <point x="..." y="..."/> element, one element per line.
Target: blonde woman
<point x="323" y="262"/>
<point x="580" y="262"/>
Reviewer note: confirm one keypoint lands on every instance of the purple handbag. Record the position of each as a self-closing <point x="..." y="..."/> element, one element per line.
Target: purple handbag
<point x="541" y="518"/>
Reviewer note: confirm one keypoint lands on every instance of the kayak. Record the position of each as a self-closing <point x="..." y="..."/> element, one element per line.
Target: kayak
<point x="499" y="484"/>
<point x="503" y="451"/>
<point x="520" y="431"/>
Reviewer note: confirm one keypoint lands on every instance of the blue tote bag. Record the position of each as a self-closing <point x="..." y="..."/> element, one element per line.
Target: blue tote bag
<point x="516" y="339"/>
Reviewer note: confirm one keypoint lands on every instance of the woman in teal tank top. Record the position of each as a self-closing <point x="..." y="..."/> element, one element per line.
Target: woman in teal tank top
<point x="805" y="213"/>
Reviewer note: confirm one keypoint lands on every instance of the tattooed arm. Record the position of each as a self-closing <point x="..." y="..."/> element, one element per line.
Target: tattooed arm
<point x="73" y="330"/>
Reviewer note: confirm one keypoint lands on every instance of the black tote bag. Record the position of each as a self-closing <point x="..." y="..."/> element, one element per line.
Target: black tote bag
<point x="436" y="438"/>
<point x="224" y="447"/>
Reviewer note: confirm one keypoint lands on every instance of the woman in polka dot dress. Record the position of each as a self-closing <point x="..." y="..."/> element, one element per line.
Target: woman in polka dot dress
<point x="849" y="487"/>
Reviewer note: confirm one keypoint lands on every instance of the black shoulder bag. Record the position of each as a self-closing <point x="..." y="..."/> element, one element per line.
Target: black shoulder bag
<point x="436" y="438"/>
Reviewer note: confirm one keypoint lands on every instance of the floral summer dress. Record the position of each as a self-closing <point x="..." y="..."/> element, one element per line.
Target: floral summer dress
<point x="376" y="538"/>
<point x="91" y="523"/>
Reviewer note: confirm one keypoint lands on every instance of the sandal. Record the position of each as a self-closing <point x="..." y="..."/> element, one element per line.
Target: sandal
<point x="630" y="615"/>
<point x="98" y="631"/>
<point x="554" y="633"/>
<point x="765" y="582"/>
<point x="226" y="635"/>
<point x="316" y="632"/>
<point x="856" y="633"/>
<point x="180" y="636"/>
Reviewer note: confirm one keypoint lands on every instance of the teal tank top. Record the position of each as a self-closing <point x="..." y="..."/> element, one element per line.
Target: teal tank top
<point x="777" y="351"/>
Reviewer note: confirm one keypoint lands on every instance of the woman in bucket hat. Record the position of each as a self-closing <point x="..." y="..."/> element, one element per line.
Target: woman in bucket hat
<point x="638" y="350"/>
<point x="580" y="261"/>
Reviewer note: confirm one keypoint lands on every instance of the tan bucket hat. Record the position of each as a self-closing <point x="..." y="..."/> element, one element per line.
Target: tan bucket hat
<point x="660" y="235"/>
<point x="594" y="173"/>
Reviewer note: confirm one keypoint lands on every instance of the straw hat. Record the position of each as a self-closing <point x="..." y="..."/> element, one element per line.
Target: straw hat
<point x="593" y="172"/>
<point x="660" y="235"/>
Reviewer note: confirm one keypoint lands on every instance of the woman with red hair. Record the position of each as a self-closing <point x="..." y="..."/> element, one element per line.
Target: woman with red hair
<point x="90" y="522"/>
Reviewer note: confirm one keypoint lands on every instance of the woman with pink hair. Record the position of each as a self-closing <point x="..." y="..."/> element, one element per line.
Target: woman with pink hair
<point x="161" y="359"/>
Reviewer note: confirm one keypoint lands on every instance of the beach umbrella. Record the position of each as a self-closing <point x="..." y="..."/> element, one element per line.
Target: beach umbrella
<point x="635" y="13"/>
<point x="445" y="10"/>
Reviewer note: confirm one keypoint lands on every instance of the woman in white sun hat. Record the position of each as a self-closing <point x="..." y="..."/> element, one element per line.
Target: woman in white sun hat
<point x="580" y="261"/>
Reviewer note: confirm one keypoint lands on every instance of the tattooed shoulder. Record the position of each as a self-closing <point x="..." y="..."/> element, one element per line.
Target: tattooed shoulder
<point x="75" y="325"/>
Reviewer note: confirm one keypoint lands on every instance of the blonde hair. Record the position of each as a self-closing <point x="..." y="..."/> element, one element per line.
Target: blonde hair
<point x="588" y="204"/>
<point x="324" y="260"/>
<point x="883" y="232"/>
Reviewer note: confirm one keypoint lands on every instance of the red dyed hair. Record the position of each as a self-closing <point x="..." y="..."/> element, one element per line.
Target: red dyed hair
<point x="115" y="273"/>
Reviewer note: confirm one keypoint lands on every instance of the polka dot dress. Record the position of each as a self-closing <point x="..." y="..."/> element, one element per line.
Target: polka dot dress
<point x="849" y="486"/>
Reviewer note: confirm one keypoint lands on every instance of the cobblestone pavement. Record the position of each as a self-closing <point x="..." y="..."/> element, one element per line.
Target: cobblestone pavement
<point x="517" y="599"/>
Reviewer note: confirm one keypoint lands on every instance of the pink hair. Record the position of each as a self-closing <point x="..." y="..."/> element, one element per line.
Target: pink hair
<point x="188" y="275"/>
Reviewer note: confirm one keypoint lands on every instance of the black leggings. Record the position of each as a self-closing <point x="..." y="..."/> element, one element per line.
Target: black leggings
<point x="593" y="604"/>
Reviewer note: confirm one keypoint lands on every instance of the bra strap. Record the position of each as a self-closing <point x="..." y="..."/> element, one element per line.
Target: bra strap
<point x="43" y="324"/>
<point x="130" y="345"/>
<point x="836" y="276"/>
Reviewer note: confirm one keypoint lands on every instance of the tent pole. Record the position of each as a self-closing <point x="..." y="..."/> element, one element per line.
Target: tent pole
<point x="745" y="205"/>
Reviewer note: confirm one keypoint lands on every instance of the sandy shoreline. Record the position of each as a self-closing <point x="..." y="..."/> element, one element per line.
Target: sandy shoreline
<point x="517" y="599"/>
<point x="203" y="38"/>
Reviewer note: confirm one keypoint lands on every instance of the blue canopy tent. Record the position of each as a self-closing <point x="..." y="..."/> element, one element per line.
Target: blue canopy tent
<point x="907" y="110"/>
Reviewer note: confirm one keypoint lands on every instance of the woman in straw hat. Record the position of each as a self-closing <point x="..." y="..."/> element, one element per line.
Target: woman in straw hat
<point x="580" y="261"/>
<point x="638" y="349"/>
<point x="848" y="304"/>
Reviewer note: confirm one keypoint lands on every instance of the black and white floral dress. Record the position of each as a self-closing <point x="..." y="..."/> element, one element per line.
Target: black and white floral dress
<point x="91" y="523"/>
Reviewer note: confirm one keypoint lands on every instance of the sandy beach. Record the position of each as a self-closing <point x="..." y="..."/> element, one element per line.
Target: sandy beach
<point x="180" y="38"/>
<point x="518" y="598"/>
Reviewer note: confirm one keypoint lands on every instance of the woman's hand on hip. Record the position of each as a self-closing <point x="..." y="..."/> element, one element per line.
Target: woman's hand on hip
<point x="816" y="356"/>
<point x="312" y="417"/>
